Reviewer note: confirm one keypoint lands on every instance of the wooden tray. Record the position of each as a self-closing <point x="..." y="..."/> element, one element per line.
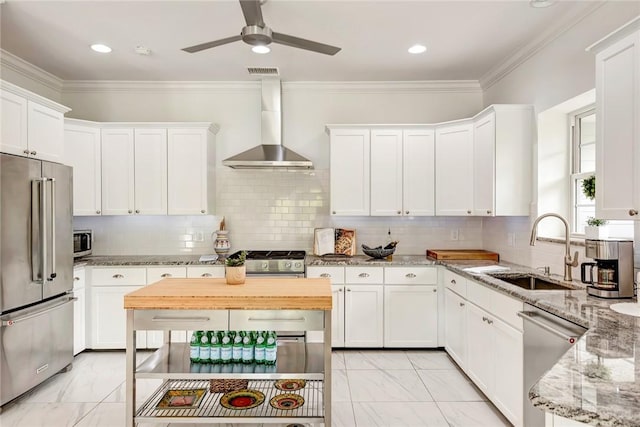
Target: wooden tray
<point x="454" y="254"/>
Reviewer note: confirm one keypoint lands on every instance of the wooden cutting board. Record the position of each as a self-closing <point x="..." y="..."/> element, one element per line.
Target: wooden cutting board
<point x="453" y="254"/>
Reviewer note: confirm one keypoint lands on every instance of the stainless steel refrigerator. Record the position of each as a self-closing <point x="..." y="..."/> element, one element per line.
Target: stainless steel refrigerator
<point x="36" y="273"/>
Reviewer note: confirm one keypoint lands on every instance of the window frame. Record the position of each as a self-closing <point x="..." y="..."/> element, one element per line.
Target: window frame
<point x="576" y="162"/>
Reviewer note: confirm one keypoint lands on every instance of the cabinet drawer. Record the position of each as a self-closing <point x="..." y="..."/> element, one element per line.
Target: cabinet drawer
<point x="368" y="275"/>
<point x="276" y="320"/>
<point x="181" y="319"/>
<point x="119" y="276"/>
<point x="79" y="278"/>
<point x="155" y="274"/>
<point x="335" y="274"/>
<point x="456" y="283"/>
<point x="479" y="295"/>
<point x="410" y="275"/>
<point x="208" y="272"/>
<point x="507" y="309"/>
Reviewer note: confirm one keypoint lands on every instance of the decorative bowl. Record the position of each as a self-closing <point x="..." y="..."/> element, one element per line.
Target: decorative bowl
<point x="377" y="253"/>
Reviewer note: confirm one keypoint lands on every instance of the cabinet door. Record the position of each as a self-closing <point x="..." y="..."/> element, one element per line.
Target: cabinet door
<point x="337" y="316"/>
<point x="618" y="130"/>
<point x="455" y="335"/>
<point x="82" y="153"/>
<point x="509" y="374"/>
<point x="349" y="174"/>
<point x="45" y="132"/>
<point x="108" y="318"/>
<point x="363" y="316"/>
<point x="150" y="171"/>
<point x="410" y="316"/>
<point x="117" y="172"/>
<point x="418" y="169"/>
<point x="454" y="169"/>
<point x="13" y="134"/>
<point x="79" y="320"/>
<point x="484" y="158"/>
<point x="386" y="172"/>
<point x="480" y="347"/>
<point x="187" y="172"/>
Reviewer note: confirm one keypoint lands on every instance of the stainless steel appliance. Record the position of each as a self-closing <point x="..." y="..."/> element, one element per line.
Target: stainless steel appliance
<point x="613" y="276"/>
<point x="283" y="264"/>
<point x="82" y="243"/>
<point x="546" y="339"/>
<point x="36" y="273"/>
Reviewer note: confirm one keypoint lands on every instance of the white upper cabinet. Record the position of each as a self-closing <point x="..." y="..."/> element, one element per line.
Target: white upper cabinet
<point x="191" y="171"/>
<point x="32" y="126"/>
<point x="349" y="181"/>
<point x="418" y="172"/>
<point x="82" y="153"/>
<point x="618" y="129"/>
<point x="454" y="169"/>
<point x="150" y="171"/>
<point x="386" y="172"/>
<point x="502" y="160"/>
<point x="118" y="171"/>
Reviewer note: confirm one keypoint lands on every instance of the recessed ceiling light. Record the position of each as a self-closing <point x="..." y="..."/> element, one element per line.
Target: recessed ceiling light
<point x="541" y="3"/>
<point x="102" y="48"/>
<point x="261" y="49"/>
<point x="417" y="48"/>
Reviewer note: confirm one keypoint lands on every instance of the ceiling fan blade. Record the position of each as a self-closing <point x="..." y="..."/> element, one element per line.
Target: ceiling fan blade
<point x="252" y="12"/>
<point x="208" y="45"/>
<point x="304" y="44"/>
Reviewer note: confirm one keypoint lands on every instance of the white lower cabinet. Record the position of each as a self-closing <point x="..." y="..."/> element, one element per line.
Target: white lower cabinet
<point x="337" y="316"/>
<point x="480" y="345"/>
<point x="509" y="378"/>
<point x="410" y="316"/>
<point x="363" y="322"/>
<point x="455" y="336"/>
<point x="79" y="311"/>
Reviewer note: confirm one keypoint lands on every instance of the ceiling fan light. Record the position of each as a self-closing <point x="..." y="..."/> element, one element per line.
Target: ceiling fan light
<point x="261" y="49"/>
<point x="417" y="48"/>
<point x="101" y="48"/>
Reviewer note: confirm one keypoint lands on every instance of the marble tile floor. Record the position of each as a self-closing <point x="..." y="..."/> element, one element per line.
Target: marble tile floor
<point x="371" y="388"/>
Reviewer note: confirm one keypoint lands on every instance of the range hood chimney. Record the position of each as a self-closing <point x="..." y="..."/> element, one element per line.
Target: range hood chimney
<point x="271" y="153"/>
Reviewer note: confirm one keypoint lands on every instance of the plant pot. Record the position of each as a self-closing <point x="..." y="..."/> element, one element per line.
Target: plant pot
<point x="593" y="232"/>
<point x="235" y="275"/>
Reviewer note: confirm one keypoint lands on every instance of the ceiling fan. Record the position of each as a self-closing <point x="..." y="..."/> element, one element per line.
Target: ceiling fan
<point x="256" y="33"/>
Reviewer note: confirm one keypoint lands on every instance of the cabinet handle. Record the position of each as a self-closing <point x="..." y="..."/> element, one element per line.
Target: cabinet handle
<point x="633" y="212"/>
<point x="130" y="211"/>
<point x="453" y="281"/>
<point x="333" y="212"/>
<point x="180" y="319"/>
<point x="76" y="278"/>
<point x="489" y="321"/>
<point x="118" y="276"/>
<point x="26" y="151"/>
<point x="275" y="319"/>
<point x="406" y="212"/>
<point x="469" y="212"/>
<point x="98" y="212"/>
<point x="348" y="289"/>
<point x="325" y="275"/>
<point x="461" y="304"/>
<point x="340" y="290"/>
<point x="202" y="211"/>
<point x="363" y="275"/>
<point x="137" y="210"/>
<point x="206" y="275"/>
<point x="410" y="275"/>
<point x="484" y="318"/>
<point x="399" y="212"/>
<point x="33" y="153"/>
<point x="489" y="212"/>
<point x="166" y="275"/>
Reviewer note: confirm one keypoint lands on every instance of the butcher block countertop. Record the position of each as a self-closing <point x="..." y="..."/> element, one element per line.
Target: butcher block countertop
<point x="215" y="294"/>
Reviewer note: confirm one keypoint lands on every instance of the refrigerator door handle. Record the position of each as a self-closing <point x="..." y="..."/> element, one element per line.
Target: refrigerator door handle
<point x="12" y="322"/>
<point x="38" y="228"/>
<point x="53" y="229"/>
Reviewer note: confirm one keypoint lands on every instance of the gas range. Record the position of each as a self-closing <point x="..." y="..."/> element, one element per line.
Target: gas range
<point x="277" y="263"/>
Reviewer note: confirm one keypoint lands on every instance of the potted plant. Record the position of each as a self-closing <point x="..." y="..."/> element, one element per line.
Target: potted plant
<point x="589" y="187"/>
<point x="596" y="228"/>
<point x="235" y="270"/>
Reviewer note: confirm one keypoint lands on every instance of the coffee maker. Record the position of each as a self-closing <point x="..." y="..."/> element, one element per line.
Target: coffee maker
<point x="613" y="277"/>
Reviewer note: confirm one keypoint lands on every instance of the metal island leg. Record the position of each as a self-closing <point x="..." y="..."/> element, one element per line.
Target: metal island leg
<point x="130" y="396"/>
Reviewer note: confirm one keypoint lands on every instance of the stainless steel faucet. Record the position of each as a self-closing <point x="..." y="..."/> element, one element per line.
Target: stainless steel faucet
<point x="568" y="261"/>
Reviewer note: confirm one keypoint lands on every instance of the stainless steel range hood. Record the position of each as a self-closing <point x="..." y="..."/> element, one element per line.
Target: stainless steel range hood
<point x="271" y="153"/>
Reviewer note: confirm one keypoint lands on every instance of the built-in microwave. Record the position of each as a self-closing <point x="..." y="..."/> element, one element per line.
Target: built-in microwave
<point x="82" y="242"/>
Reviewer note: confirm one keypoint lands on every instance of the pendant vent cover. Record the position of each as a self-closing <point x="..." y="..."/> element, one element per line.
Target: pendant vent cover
<point x="263" y="71"/>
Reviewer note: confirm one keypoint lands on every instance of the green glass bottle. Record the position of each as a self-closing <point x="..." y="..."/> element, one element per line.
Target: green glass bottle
<point x="205" y="348"/>
<point x="258" y="354"/>
<point x="226" y="344"/>
<point x="216" y="346"/>
<point x="271" y="348"/>
<point x="194" y="346"/>
<point x="236" y="356"/>
<point x="248" y="345"/>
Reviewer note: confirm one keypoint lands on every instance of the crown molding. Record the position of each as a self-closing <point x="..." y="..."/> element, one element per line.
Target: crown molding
<point x="27" y="69"/>
<point x="519" y="57"/>
<point x="27" y="94"/>
<point x="420" y="86"/>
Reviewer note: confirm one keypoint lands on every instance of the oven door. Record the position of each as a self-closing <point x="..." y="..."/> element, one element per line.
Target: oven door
<point x="295" y="336"/>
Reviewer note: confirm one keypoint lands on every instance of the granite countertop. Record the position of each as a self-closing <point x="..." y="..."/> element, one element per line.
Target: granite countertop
<point x="361" y="260"/>
<point x="598" y="380"/>
<point x="109" y="260"/>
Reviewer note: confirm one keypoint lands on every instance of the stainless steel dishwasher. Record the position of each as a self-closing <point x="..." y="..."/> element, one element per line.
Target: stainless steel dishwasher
<point x="546" y="338"/>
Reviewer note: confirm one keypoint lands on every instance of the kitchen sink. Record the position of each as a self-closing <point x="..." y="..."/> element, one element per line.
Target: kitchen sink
<point x="531" y="282"/>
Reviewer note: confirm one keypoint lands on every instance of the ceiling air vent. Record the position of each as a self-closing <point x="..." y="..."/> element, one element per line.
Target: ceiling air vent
<point x="263" y="71"/>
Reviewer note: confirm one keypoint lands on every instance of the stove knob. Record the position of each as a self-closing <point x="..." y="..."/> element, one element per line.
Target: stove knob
<point x="265" y="265"/>
<point x="287" y="265"/>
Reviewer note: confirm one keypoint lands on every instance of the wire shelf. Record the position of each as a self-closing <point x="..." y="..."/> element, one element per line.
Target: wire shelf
<point x="210" y="406"/>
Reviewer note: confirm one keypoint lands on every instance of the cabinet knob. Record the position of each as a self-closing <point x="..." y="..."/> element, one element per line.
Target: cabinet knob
<point x="325" y="275"/>
<point x="130" y="211"/>
<point x="348" y="290"/>
<point x="633" y="212"/>
<point x="410" y="275"/>
<point x="76" y="278"/>
<point x="340" y="290"/>
<point x="399" y="212"/>
<point x="26" y="151"/>
<point x="363" y="275"/>
<point x="453" y="281"/>
<point x="206" y="275"/>
<point x="435" y="290"/>
<point x="406" y="212"/>
<point x="118" y="276"/>
<point x="484" y="318"/>
<point x="166" y="275"/>
<point x="203" y="211"/>
<point x="461" y="304"/>
<point x="333" y="212"/>
<point x="137" y="210"/>
<point x="489" y="212"/>
<point x="489" y="321"/>
<point x="469" y="212"/>
<point x="33" y="153"/>
<point x="98" y="212"/>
